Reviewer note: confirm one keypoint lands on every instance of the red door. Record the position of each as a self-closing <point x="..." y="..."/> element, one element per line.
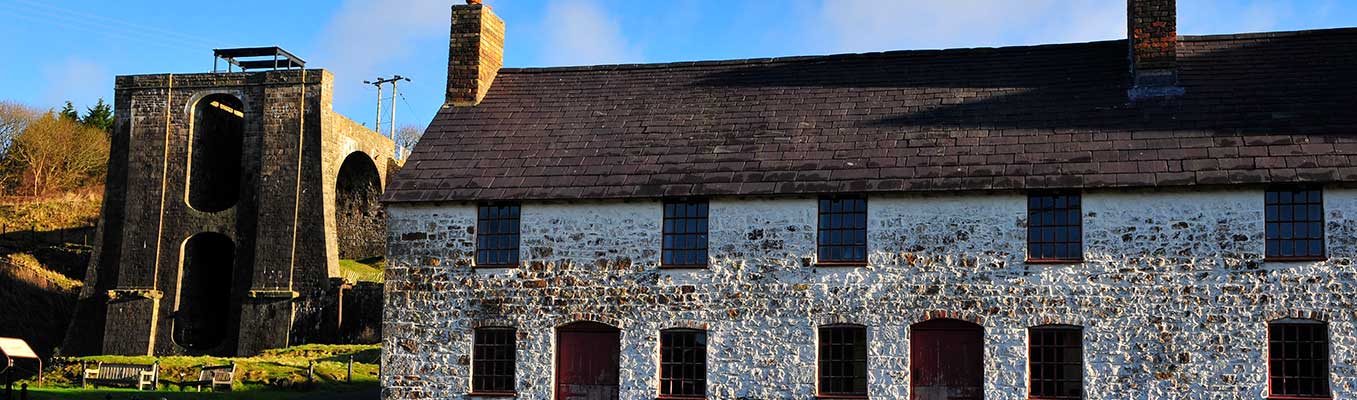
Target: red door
<point x="587" y="355"/>
<point x="946" y="360"/>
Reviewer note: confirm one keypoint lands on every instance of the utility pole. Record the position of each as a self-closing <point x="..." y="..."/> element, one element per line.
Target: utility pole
<point x="393" y="80"/>
<point x="378" y="84"/>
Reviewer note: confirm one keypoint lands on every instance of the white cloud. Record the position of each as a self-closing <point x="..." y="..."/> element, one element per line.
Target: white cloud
<point x="579" y="32"/>
<point x="877" y="25"/>
<point x="367" y="38"/>
<point x="79" y="80"/>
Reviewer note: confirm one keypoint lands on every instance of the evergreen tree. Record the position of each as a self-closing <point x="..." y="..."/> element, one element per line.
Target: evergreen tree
<point x="68" y="112"/>
<point x="99" y="117"/>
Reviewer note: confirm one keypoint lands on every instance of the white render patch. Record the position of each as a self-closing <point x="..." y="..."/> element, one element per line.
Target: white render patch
<point x="1174" y="296"/>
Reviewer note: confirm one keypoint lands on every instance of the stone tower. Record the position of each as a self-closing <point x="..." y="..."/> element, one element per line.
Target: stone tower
<point x="230" y="199"/>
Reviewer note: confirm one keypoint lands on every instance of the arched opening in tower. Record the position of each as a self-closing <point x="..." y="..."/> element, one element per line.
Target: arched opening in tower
<point x="359" y="218"/>
<point x="214" y="153"/>
<point x="202" y="318"/>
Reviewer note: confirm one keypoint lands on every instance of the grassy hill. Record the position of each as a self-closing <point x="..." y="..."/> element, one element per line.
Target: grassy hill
<point x="39" y="272"/>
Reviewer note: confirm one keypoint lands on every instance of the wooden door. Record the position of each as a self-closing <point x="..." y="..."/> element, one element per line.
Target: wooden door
<point x="587" y="356"/>
<point x="946" y="360"/>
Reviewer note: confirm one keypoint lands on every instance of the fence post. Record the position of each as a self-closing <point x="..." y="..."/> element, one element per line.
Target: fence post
<point x="349" y="378"/>
<point x="311" y="371"/>
<point x="23" y="392"/>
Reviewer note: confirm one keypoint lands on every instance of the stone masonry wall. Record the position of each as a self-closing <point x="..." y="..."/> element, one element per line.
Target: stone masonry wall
<point x="1174" y="296"/>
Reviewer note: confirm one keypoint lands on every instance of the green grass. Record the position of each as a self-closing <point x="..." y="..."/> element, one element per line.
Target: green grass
<point x="72" y="210"/>
<point x="365" y="270"/>
<point x="275" y="374"/>
<point x="327" y="392"/>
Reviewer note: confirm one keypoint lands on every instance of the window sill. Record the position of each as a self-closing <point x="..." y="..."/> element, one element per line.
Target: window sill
<point x="1055" y="261"/>
<point x="493" y="394"/>
<point x="681" y="266"/>
<point x="494" y="266"/>
<point x="1296" y="259"/>
<point x="841" y="264"/>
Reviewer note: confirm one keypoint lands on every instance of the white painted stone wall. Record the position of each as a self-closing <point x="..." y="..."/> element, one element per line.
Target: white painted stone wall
<point x="1174" y="296"/>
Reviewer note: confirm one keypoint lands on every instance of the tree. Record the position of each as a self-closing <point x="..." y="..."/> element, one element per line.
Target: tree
<point x="99" y="117"/>
<point x="55" y="153"/>
<point x="406" y="137"/>
<point x="68" y="112"/>
<point x="14" y="117"/>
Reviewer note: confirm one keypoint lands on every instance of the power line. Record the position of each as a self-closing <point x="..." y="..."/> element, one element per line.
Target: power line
<point x="94" y="28"/>
<point x="86" y="18"/>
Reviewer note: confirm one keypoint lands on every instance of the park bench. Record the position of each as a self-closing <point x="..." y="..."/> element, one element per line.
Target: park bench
<point x="213" y="377"/>
<point x="140" y="376"/>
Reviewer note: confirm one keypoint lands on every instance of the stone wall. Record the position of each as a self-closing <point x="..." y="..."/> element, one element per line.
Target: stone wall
<point x="1174" y="296"/>
<point x="281" y="225"/>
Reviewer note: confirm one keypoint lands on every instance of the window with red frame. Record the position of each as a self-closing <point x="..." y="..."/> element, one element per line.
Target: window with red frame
<point x="1298" y="360"/>
<point x="1055" y="362"/>
<point x="492" y="360"/>
<point x="843" y="230"/>
<point x="1295" y="223"/>
<point x="1054" y="228"/>
<point x="683" y="364"/>
<point x="843" y="361"/>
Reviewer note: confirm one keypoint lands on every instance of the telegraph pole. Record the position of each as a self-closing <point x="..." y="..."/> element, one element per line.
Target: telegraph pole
<point x="393" y="80"/>
<point x="378" y="84"/>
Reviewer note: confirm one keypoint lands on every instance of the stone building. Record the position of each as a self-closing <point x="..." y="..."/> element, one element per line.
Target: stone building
<point x="231" y="196"/>
<point x="1162" y="217"/>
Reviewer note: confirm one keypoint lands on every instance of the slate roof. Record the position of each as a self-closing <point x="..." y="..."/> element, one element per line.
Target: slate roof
<point x="1259" y="108"/>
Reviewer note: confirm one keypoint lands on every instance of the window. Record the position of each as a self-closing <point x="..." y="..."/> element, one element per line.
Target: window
<point x="685" y="234"/>
<point x="843" y="230"/>
<point x="1055" y="362"/>
<point x="683" y="364"/>
<point x="497" y="235"/>
<point x="843" y="360"/>
<point x="493" y="356"/>
<point x="1054" y="228"/>
<point x="1298" y="359"/>
<point x="1295" y="224"/>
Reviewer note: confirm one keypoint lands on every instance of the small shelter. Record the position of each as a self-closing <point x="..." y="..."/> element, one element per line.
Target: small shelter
<point x="12" y="350"/>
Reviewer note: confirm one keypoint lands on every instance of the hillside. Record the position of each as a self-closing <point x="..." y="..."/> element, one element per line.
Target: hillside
<point x="43" y="254"/>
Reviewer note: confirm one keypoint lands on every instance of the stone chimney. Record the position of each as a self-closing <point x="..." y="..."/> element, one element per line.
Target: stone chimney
<point x="1152" y="30"/>
<point x="475" y="53"/>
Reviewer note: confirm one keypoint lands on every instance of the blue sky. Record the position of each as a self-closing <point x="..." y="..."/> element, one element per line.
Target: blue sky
<point x="72" y="49"/>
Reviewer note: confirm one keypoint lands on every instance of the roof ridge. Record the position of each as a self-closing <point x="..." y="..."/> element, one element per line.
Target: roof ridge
<point x="840" y="56"/>
<point x="1263" y="35"/>
<point x="774" y="60"/>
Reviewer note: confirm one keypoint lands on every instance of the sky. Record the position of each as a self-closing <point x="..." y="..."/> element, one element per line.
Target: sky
<point x="62" y="50"/>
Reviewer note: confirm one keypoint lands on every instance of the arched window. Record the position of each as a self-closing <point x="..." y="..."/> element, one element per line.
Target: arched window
<point x="214" y="153"/>
<point x="204" y="304"/>
<point x="1298" y="359"/>
<point x="843" y="360"/>
<point x="1055" y="362"/>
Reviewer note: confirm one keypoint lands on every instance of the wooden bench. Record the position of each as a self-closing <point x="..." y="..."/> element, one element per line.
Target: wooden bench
<point x="213" y="376"/>
<point x="140" y="376"/>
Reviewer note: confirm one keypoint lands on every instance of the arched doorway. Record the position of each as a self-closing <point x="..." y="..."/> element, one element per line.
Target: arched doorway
<point x="946" y="360"/>
<point x="360" y="222"/>
<point x="587" y="358"/>
<point x="203" y="313"/>
<point x="214" y="153"/>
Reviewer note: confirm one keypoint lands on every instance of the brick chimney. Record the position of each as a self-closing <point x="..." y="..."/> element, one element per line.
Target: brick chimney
<point x="1152" y="30"/>
<point x="475" y="53"/>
